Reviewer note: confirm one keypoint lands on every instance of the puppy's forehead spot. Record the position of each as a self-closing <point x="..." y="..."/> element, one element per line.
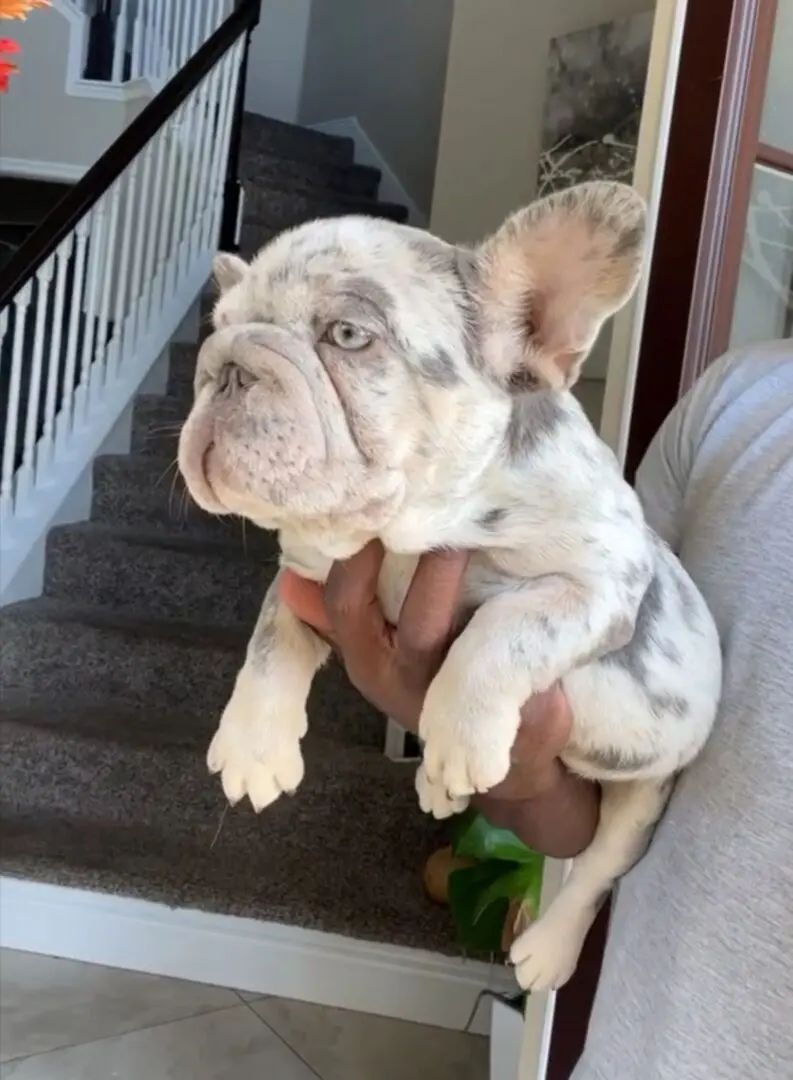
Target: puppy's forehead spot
<point x="368" y="290"/>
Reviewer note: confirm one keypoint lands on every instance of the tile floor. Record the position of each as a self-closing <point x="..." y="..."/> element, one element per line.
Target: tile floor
<point x="61" y="1020"/>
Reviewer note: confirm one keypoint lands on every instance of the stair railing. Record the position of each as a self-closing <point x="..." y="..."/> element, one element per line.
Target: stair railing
<point x="92" y="297"/>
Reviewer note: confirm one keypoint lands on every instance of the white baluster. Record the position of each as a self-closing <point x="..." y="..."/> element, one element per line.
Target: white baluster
<point x="4" y="320"/>
<point x="156" y="223"/>
<point x="160" y="39"/>
<point x="46" y="452"/>
<point x="184" y="144"/>
<point x="184" y="47"/>
<point x="209" y="151"/>
<point x="199" y="147"/>
<point x="233" y="58"/>
<point x="118" y="354"/>
<point x="66" y="414"/>
<point x="137" y="47"/>
<point x="140" y="240"/>
<point x="109" y="276"/>
<point x="198" y="35"/>
<point x="120" y="41"/>
<point x="98" y="217"/>
<point x="26" y="474"/>
<point x="210" y="26"/>
<point x="169" y="37"/>
<point x="171" y="136"/>
<point x="176" y="36"/>
<point x="218" y="162"/>
<point x="20" y="305"/>
<point x="217" y="174"/>
<point x="148" y="55"/>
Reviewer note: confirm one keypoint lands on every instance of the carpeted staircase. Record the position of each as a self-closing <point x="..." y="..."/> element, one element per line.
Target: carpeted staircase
<point x="113" y="681"/>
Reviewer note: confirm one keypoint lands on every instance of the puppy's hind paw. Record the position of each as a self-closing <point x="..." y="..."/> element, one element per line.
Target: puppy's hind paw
<point x="546" y="955"/>
<point x="435" y="800"/>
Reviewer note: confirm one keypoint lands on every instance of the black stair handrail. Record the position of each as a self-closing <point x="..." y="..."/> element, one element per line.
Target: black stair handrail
<point x="66" y="215"/>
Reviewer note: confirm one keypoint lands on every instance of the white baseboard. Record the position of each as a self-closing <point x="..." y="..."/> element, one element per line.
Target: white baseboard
<point x="260" y="957"/>
<point x="367" y="153"/>
<point x="41" y="170"/>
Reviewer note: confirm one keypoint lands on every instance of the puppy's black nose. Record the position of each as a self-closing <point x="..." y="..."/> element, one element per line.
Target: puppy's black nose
<point x="231" y="377"/>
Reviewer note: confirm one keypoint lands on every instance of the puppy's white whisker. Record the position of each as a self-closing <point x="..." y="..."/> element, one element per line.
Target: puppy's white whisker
<point x="220" y="826"/>
<point x="171" y="465"/>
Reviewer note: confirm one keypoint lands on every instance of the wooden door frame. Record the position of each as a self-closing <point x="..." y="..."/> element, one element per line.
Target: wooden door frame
<point x="701" y="217"/>
<point x="729" y="187"/>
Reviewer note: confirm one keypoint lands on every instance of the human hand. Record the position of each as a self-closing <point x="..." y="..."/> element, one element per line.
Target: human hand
<point x="393" y="666"/>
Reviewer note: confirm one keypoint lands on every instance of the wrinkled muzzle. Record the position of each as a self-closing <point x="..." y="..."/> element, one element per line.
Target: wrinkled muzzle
<point x="268" y="437"/>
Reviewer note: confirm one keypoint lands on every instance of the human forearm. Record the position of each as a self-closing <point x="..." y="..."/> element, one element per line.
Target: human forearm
<point x="557" y="817"/>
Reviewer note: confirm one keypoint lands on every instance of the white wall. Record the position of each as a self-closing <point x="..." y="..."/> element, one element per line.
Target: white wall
<point x="276" y="60"/>
<point x="384" y="63"/>
<point x="490" y="135"/>
<point x="54" y="133"/>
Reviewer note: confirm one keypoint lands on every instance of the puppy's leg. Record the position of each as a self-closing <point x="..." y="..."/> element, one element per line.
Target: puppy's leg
<point x="256" y="748"/>
<point x="517" y="644"/>
<point x="546" y="955"/>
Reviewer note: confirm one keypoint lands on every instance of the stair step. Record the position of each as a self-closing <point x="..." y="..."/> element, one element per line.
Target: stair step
<point x="262" y="169"/>
<point x="181" y="366"/>
<point x="51" y="650"/>
<point x="105" y="797"/>
<point x="261" y="134"/>
<point x="254" y="237"/>
<point x="156" y="422"/>
<point x="61" y="649"/>
<point x="149" y="492"/>
<point x="157" y="575"/>
<point x="281" y="208"/>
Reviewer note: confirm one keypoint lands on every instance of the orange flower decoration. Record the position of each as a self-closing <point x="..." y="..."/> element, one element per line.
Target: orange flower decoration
<point x="18" y="9"/>
<point x="13" y="9"/>
<point x="7" y="69"/>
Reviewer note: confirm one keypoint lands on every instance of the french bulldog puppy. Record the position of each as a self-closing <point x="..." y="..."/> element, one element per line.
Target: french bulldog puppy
<point x="366" y="379"/>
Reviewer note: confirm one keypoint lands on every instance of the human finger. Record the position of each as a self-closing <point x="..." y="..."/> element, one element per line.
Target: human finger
<point x="430" y="605"/>
<point x="305" y="600"/>
<point x="351" y="602"/>
<point x="546" y="725"/>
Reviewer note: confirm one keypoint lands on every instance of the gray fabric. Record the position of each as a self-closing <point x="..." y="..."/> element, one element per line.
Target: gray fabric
<point x="697" y="982"/>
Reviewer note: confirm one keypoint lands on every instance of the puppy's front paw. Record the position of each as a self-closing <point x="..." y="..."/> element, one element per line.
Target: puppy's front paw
<point x="256" y="748"/>
<point x="546" y="955"/>
<point x="434" y="799"/>
<point x="466" y="747"/>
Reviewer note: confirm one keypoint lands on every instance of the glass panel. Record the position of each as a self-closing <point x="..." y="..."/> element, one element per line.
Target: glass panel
<point x="764" y="299"/>
<point x="776" y="128"/>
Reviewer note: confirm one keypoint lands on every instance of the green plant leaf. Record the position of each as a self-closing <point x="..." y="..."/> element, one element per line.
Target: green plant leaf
<point x="522" y="883"/>
<point x="460" y="823"/>
<point x="478" y="934"/>
<point x="477" y="839"/>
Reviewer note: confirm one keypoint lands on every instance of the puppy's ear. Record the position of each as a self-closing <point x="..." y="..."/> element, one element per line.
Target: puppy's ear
<point x="227" y="270"/>
<point x="551" y="276"/>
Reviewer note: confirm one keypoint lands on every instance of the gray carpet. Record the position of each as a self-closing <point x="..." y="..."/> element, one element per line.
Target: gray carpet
<point x="113" y="681"/>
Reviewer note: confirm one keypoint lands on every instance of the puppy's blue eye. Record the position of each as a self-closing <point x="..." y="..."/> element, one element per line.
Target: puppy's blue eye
<point x="346" y="335"/>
